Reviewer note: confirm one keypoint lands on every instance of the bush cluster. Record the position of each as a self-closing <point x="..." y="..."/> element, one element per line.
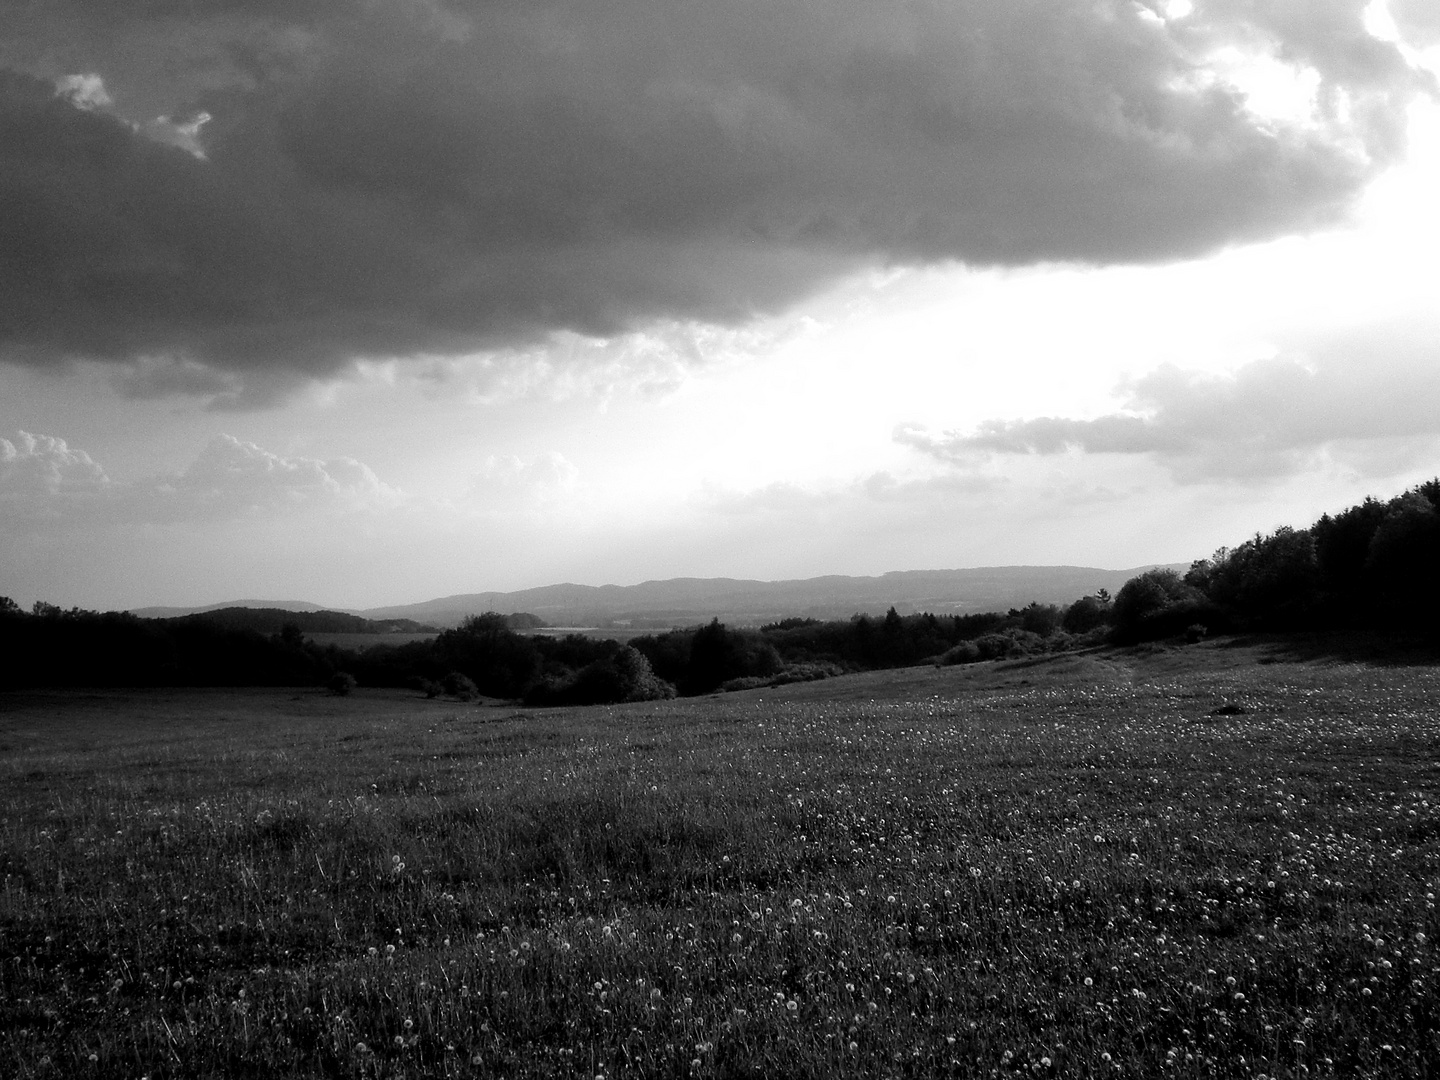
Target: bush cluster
<point x="624" y="675"/>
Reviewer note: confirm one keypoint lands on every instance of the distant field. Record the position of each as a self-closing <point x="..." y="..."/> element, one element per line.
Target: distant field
<point x="361" y="642"/>
<point x="617" y="633"/>
<point x="1197" y="862"/>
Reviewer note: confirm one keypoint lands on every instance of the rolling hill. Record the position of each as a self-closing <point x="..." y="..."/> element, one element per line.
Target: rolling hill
<point x="741" y="602"/>
<point x="684" y="601"/>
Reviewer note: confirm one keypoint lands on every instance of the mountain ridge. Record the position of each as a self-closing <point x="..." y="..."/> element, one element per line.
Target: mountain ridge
<point x="686" y="600"/>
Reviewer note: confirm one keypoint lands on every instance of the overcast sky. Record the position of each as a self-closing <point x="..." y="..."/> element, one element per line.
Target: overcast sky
<point x="372" y="301"/>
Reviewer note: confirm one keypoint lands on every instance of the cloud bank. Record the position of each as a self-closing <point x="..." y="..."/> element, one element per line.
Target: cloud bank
<point x="41" y="466"/>
<point x="1267" y="420"/>
<point x="45" y="483"/>
<point x="261" y="191"/>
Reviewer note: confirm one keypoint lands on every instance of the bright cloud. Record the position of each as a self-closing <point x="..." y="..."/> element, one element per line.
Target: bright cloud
<point x="84" y="91"/>
<point x="236" y="476"/>
<point x="44" y="483"/>
<point x="39" y="466"/>
<point x="1264" y="422"/>
<point x="507" y="483"/>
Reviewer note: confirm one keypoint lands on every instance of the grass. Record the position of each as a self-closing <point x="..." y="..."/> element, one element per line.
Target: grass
<point x="1070" y="867"/>
<point x="360" y="642"/>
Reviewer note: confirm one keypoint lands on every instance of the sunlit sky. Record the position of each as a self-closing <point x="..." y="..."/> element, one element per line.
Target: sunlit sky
<point x="368" y="303"/>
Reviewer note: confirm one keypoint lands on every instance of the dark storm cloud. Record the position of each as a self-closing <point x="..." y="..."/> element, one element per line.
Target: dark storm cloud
<point x="1265" y="421"/>
<point x="410" y="178"/>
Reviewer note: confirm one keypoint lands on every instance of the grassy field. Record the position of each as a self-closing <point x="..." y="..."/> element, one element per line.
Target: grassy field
<point x="1199" y="862"/>
<point x="599" y="633"/>
<point x="361" y="642"/>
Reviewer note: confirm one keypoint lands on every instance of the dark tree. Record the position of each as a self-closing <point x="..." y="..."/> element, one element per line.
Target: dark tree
<point x="1040" y="619"/>
<point x="1266" y="581"/>
<point x="1342" y="546"/>
<point x="625" y="675"/>
<point x="1156" y="604"/>
<point x="669" y="654"/>
<point x="1403" y="564"/>
<point x="499" y="661"/>
<point x="1086" y="614"/>
<point x="718" y="655"/>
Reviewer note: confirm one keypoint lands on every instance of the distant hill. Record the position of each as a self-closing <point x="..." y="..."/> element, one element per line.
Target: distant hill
<point x="270" y="620"/>
<point x="684" y="601"/>
<point x="264" y="605"/>
<point x="741" y="602"/>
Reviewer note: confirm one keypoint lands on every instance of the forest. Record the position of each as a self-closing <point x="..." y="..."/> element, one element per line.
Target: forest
<point x="1374" y="566"/>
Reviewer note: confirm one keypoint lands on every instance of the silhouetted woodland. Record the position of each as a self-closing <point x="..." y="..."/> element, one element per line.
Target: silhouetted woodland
<point x="51" y="647"/>
<point x="1375" y="566"/>
<point x="274" y="620"/>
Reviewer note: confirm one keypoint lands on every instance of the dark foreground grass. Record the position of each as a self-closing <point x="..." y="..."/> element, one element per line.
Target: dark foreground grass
<point x="1065" y="868"/>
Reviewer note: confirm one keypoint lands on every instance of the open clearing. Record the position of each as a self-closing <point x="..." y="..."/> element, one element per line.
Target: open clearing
<point x="361" y="642"/>
<point x="1069" y="867"/>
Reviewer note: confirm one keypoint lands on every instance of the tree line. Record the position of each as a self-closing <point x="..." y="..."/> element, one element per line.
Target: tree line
<point x="274" y="620"/>
<point x="487" y="656"/>
<point x="1373" y="566"/>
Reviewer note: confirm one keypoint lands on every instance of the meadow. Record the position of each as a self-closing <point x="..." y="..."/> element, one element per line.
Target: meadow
<point x="361" y="642"/>
<point x="1215" y="860"/>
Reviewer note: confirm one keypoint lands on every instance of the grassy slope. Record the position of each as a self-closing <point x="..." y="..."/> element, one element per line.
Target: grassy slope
<point x="923" y="872"/>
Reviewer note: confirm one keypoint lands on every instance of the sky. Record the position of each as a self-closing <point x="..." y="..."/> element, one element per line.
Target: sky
<point x="366" y="302"/>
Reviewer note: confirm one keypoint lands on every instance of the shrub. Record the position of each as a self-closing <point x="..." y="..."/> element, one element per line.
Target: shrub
<point x="806" y="673"/>
<point x="635" y="678"/>
<point x="1009" y="645"/>
<point x="1041" y="619"/>
<point x="341" y="683"/>
<point x="459" y="685"/>
<point x="1002" y="645"/>
<point x="1159" y="604"/>
<point x="429" y="687"/>
<point x="623" y="676"/>
<point x="794" y="673"/>
<point x="745" y="682"/>
<point x="1086" y="614"/>
<point x="967" y="652"/>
